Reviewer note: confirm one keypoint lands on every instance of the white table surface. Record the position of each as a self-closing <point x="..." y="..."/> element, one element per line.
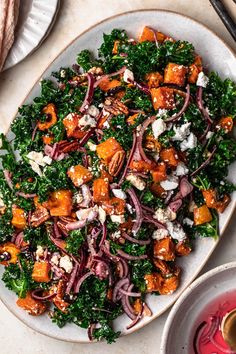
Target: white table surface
<point x="74" y="17"/>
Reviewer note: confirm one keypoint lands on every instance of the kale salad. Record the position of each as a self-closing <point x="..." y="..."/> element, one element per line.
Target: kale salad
<point x="113" y="171"/>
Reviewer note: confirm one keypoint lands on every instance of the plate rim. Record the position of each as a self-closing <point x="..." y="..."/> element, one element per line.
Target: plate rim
<point x="37" y="80"/>
<point x="185" y="294"/>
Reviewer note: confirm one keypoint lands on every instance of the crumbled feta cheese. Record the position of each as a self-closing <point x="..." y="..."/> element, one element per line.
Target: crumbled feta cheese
<point x="192" y="206"/>
<point x="39" y="252"/>
<point x="47" y="160"/>
<point x="0" y="143"/>
<point x="161" y="112"/>
<point x="222" y="183"/>
<point x="187" y="221"/>
<point x="106" y="124"/>
<point x="164" y="215"/>
<point x="158" y="127"/>
<point x="37" y="157"/>
<point x="136" y="181"/>
<point x="117" y="218"/>
<point x="181" y="132"/>
<point x="181" y="169"/>
<point x="189" y="143"/>
<point x="128" y="76"/>
<point x="209" y="135"/>
<point x="35" y="167"/>
<point x="66" y="264"/>
<point x="202" y="80"/>
<point x="101" y="215"/>
<point x="88" y="213"/>
<point x="176" y="231"/>
<point x="159" y="234"/>
<point x="55" y="258"/>
<point x="93" y="111"/>
<point x="130" y="208"/>
<point x="118" y="193"/>
<point x="170" y="183"/>
<point x="87" y="120"/>
<point x="78" y="198"/>
<point x="91" y="146"/>
<point x="63" y="73"/>
<point x="116" y="234"/>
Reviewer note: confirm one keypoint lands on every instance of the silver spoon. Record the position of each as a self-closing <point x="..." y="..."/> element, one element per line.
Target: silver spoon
<point x="228" y="329"/>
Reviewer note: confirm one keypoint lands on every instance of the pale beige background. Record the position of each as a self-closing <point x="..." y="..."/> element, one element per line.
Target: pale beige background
<point x="74" y="17"/>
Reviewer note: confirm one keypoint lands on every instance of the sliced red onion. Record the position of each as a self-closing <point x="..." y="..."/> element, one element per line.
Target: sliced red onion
<point x="90" y="242"/>
<point x="176" y="116"/>
<point x="140" y="134"/>
<point x="89" y="94"/>
<point x="72" y="278"/>
<point x="34" y="132"/>
<point x="185" y="187"/>
<point x="26" y="196"/>
<point x="137" y="319"/>
<point x="103" y="77"/>
<point x="130" y="257"/>
<point x="81" y="280"/>
<point x="118" y="286"/>
<point x="146" y="208"/>
<point x="151" y="220"/>
<point x="106" y="249"/>
<point x="86" y="137"/>
<point x="197" y="336"/>
<point x="142" y="87"/>
<point x="128" y="309"/>
<point x="7" y="175"/>
<point x="129" y="158"/>
<point x="19" y="239"/>
<point x="138" y="209"/>
<point x="175" y="205"/>
<point x="91" y="329"/>
<point x="76" y="68"/>
<point x="201" y="106"/>
<point x="87" y="196"/>
<point x="129" y="293"/>
<point x="102" y="270"/>
<point x="205" y="163"/>
<point x="75" y="225"/>
<point x="56" y="229"/>
<point x="104" y="234"/>
<point x="134" y="240"/>
<point x="36" y="295"/>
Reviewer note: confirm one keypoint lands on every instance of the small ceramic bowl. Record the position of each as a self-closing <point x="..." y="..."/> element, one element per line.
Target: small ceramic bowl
<point x="178" y="332"/>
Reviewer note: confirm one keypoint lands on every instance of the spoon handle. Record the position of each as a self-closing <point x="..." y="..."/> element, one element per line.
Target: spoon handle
<point x="225" y="17"/>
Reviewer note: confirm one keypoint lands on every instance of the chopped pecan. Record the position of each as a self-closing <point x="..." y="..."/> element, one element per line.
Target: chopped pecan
<point x="115" y="106"/>
<point x="39" y="216"/>
<point x="116" y="163"/>
<point x="96" y="70"/>
<point x="68" y="146"/>
<point x="58" y="300"/>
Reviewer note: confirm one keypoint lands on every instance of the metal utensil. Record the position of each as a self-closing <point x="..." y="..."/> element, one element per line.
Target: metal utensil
<point x="225" y="17"/>
<point x="228" y="329"/>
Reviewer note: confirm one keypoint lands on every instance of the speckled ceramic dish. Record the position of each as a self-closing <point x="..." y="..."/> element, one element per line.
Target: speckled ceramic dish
<point x="179" y="328"/>
<point x="217" y="56"/>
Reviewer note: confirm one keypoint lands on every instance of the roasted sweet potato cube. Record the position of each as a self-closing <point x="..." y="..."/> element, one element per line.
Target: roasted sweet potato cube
<point x="107" y="84"/>
<point x="169" y="285"/>
<point x="71" y="124"/>
<point x="107" y="149"/>
<point x="175" y="74"/>
<point x="158" y="190"/>
<point x="226" y="123"/>
<point x="164" y="249"/>
<point x="115" y="47"/>
<point x="154" y="79"/>
<point x="32" y="306"/>
<point x="138" y="306"/>
<point x="162" y="97"/>
<point x="41" y="272"/>
<point x="13" y="251"/>
<point x="159" y="173"/>
<point x="59" y="203"/>
<point x="153" y="281"/>
<point x="50" y="111"/>
<point x="222" y="204"/>
<point x="194" y="70"/>
<point x="202" y="215"/>
<point x="209" y="196"/>
<point x="47" y="139"/>
<point x="100" y="190"/>
<point x="170" y="156"/>
<point x="183" y="248"/>
<point x="131" y="120"/>
<point x="79" y="175"/>
<point x="148" y="35"/>
<point x="141" y="166"/>
<point x="18" y="218"/>
<point x="114" y="206"/>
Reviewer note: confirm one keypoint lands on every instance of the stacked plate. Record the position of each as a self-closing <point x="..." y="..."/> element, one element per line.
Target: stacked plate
<point x="36" y="18"/>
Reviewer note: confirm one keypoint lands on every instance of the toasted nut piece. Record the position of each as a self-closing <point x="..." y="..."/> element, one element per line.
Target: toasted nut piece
<point x="39" y="216"/>
<point x="116" y="163"/>
<point x="96" y="70"/>
<point x="114" y="106"/>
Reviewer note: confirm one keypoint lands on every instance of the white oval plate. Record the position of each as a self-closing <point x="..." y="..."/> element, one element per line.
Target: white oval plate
<point x="178" y="332"/>
<point x="35" y="20"/>
<point x="209" y="46"/>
